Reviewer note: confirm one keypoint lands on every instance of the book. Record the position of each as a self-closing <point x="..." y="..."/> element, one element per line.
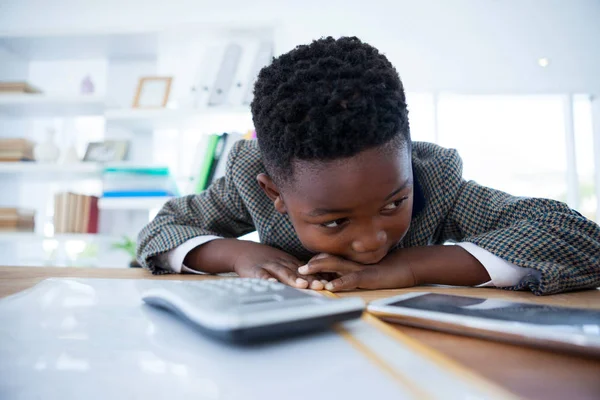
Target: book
<point x="216" y="157"/>
<point x="263" y="56"/>
<point x="17" y="87"/>
<point x="206" y="75"/>
<point x="58" y="213"/>
<point x="240" y="82"/>
<point x="203" y="174"/>
<point x="93" y="215"/>
<point x="85" y="212"/>
<point x="222" y="162"/>
<point x="71" y="212"/>
<point x="197" y="162"/>
<point x="16" y="149"/>
<point x="14" y="219"/>
<point x="137" y="193"/>
<point x="75" y="213"/>
<point x="226" y="74"/>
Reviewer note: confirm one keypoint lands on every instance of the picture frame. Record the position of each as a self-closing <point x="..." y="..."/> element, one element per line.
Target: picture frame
<point x="152" y="92"/>
<point x="107" y="151"/>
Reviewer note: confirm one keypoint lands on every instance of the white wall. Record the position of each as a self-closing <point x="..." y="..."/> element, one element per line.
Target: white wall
<point x="458" y="45"/>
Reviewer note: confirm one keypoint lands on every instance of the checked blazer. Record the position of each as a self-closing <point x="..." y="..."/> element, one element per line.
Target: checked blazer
<point x="558" y="244"/>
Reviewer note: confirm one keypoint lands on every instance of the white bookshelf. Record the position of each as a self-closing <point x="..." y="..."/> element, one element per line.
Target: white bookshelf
<point x="31" y="236"/>
<point x="45" y="170"/>
<point x="43" y="105"/>
<point x="155" y="119"/>
<point x="132" y="203"/>
<point x="114" y="58"/>
<point x="52" y="45"/>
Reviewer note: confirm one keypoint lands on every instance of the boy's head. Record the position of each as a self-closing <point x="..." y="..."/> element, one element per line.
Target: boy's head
<point x="332" y="127"/>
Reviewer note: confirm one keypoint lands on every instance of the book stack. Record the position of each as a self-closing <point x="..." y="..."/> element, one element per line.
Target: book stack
<point x="211" y="155"/>
<point x="13" y="150"/>
<point x="75" y="213"/>
<point x="17" y="220"/>
<point x="17" y="87"/>
<point x="139" y="181"/>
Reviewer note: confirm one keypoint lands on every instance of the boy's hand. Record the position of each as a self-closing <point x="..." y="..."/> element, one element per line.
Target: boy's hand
<point x="443" y="265"/>
<point x="352" y="275"/>
<point x="255" y="260"/>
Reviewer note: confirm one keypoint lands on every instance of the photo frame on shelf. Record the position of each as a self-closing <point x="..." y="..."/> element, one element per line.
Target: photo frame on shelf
<point x="152" y="92"/>
<point x="107" y="151"/>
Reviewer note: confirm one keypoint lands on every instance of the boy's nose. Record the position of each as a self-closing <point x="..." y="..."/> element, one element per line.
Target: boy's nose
<point x="370" y="242"/>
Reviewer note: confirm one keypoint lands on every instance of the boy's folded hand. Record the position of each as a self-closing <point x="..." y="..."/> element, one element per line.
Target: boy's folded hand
<point x="255" y="260"/>
<point x="350" y="275"/>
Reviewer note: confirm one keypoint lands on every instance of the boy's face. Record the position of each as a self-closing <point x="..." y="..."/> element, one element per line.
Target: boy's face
<point x="357" y="208"/>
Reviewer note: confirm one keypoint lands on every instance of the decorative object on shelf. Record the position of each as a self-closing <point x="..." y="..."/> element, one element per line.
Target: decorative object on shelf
<point x="87" y="86"/>
<point x="17" y="87"/>
<point x="107" y="151"/>
<point x="70" y="156"/>
<point x="129" y="246"/>
<point x="152" y="92"/>
<point x="16" y="149"/>
<point x="47" y="151"/>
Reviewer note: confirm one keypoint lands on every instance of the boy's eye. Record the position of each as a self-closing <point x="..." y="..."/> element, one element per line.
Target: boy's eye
<point x="334" y="224"/>
<point x="395" y="204"/>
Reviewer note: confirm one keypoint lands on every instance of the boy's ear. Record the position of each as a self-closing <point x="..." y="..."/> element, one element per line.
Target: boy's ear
<point x="269" y="187"/>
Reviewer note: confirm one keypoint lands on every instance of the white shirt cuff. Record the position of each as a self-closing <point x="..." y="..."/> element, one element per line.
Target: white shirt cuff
<point x="502" y="272"/>
<point x="174" y="258"/>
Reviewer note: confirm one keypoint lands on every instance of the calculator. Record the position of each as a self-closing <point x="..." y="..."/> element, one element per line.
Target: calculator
<point x="249" y="310"/>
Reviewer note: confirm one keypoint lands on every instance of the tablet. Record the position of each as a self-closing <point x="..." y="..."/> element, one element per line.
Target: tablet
<point x="524" y="323"/>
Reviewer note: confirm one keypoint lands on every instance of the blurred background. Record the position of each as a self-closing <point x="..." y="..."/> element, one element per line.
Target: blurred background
<point x="109" y="108"/>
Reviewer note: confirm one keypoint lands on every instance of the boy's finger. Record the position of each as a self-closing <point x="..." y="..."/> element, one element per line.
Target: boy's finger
<point x="309" y="278"/>
<point x="320" y="256"/>
<point x="287" y="276"/>
<point x="329" y="264"/>
<point x="262" y="274"/>
<point x="346" y="282"/>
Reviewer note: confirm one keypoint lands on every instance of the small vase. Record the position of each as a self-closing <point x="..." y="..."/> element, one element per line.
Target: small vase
<point x="87" y="86"/>
<point x="70" y="156"/>
<point x="47" y="151"/>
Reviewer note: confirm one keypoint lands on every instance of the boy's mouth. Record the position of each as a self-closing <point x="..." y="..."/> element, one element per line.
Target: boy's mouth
<point x="372" y="257"/>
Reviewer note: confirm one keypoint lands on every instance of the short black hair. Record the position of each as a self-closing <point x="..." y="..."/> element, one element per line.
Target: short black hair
<point x="327" y="100"/>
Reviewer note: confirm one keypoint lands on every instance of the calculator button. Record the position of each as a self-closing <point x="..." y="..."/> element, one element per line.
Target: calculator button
<point x="240" y="290"/>
<point x="259" y="288"/>
<point x="276" y="286"/>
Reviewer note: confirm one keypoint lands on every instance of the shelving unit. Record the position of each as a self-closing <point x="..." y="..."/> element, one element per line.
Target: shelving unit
<point x="30" y="236"/>
<point x="155" y="119"/>
<point x="58" y="45"/>
<point x="56" y="62"/>
<point x="47" y="170"/>
<point x="43" y="105"/>
<point x="132" y="203"/>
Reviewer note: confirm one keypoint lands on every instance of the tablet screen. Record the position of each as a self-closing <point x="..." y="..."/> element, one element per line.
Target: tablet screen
<point x="584" y="320"/>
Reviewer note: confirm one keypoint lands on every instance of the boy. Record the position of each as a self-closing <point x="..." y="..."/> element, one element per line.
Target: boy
<point x="342" y="199"/>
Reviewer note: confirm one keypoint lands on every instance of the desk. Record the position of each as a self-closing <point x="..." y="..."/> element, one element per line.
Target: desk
<point x="527" y="372"/>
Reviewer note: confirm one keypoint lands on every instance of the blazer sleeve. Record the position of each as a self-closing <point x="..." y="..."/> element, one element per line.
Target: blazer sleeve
<point x="561" y="247"/>
<point x="218" y="211"/>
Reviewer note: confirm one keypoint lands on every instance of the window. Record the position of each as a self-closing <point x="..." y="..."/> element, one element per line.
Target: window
<point x="512" y="143"/>
<point x="584" y="150"/>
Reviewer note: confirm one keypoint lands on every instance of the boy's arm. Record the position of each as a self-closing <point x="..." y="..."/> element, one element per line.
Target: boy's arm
<point x="561" y="247"/>
<point x="217" y="211"/>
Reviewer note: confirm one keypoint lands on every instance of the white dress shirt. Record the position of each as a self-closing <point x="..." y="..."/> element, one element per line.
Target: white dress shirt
<point x="502" y="273"/>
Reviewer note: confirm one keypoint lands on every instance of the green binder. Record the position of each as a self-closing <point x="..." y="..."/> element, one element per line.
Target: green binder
<point x="207" y="162"/>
